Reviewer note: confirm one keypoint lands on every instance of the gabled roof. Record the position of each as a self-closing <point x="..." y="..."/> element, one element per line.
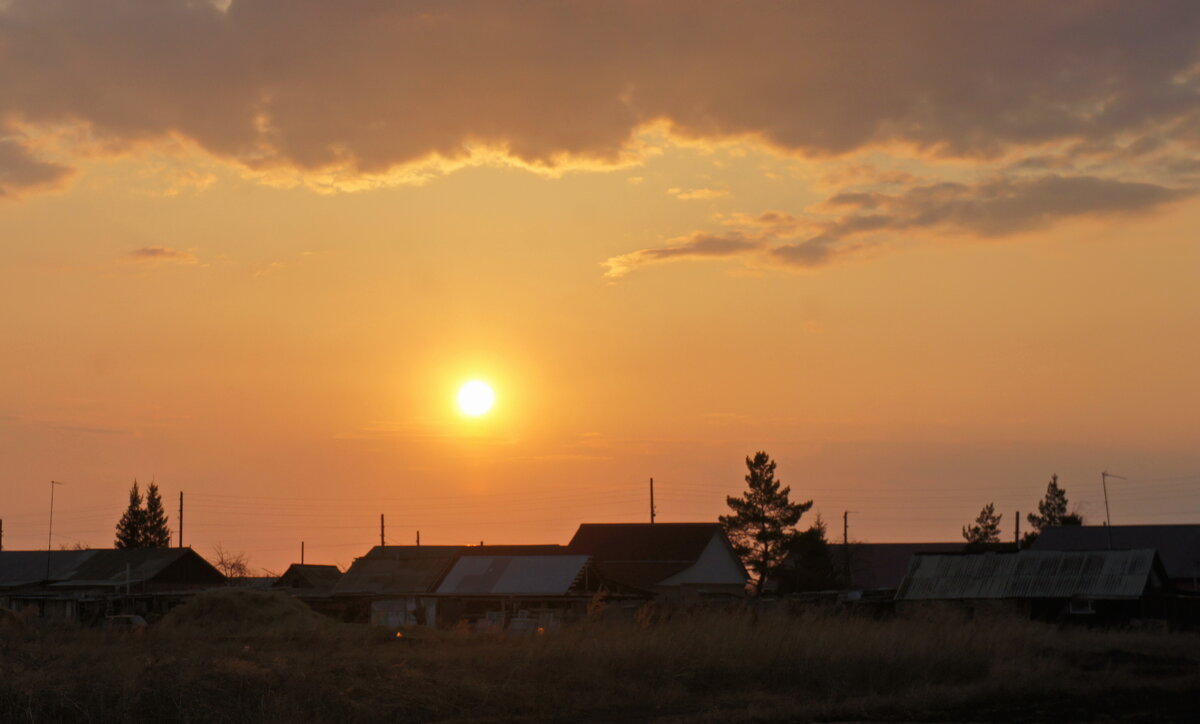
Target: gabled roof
<point x="310" y="576"/>
<point x="644" y="541"/>
<point x="1178" y="546"/>
<point x="398" y="570"/>
<point x="883" y="565"/>
<point x="1103" y="575"/>
<point x="553" y="575"/>
<point x="642" y="555"/>
<point x="107" y="567"/>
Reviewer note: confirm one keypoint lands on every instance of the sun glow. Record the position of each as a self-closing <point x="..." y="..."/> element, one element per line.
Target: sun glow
<point x="475" y="398"/>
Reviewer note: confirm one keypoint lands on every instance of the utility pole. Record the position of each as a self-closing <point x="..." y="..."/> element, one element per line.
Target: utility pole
<point x="301" y="552"/>
<point x="381" y="543"/>
<point x="652" y="501"/>
<point x="1017" y="535"/>
<point x="1104" y="476"/>
<point x="418" y="539"/>
<point x="50" y="532"/>
<point x="180" y="518"/>
<point x="1" y="534"/>
<point x="846" y="543"/>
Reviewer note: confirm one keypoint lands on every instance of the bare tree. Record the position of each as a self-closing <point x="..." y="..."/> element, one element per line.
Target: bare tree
<point x="233" y="565"/>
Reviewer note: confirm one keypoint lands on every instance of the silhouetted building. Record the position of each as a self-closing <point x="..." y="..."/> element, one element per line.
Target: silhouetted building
<point x="88" y="584"/>
<point x="666" y="559"/>
<point x="1110" y="586"/>
<point x="1178" y="546"/>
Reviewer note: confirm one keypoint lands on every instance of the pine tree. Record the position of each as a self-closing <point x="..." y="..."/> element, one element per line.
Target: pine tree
<point x="763" y="523"/>
<point x="129" y="528"/>
<point x="1052" y="510"/>
<point x="985" y="530"/>
<point x="155" y="533"/>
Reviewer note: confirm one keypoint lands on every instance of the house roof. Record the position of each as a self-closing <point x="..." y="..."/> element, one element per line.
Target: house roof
<point x="398" y="569"/>
<point x="643" y="554"/>
<point x="1178" y="546"/>
<point x="883" y="565"/>
<point x="106" y="567"/>
<point x="314" y="576"/>
<point x="1032" y="574"/>
<point x="25" y="568"/>
<point x="644" y="541"/>
<point x="547" y="575"/>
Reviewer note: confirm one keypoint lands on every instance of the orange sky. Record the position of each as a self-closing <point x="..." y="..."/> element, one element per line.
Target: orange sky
<point x="925" y="255"/>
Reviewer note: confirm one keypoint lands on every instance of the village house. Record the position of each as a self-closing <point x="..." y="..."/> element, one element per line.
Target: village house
<point x="1178" y="546"/>
<point x="1107" y="586"/>
<point x="86" y="585"/>
<point x="671" y="561"/>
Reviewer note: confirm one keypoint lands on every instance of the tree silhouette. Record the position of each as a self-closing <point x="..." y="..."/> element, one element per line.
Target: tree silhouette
<point x="233" y="565"/>
<point x="763" y="523"/>
<point x="1052" y="510"/>
<point x="155" y="533"/>
<point x="809" y="565"/>
<point x="143" y="525"/>
<point x="986" y="528"/>
<point x="129" y="527"/>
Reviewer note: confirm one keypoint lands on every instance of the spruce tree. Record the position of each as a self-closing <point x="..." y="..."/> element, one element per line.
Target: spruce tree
<point x="985" y="530"/>
<point x="1052" y="510"/>
<point x="132" y="523"/>
<point x="155" y="533"/>
<point x="763" y="523"/>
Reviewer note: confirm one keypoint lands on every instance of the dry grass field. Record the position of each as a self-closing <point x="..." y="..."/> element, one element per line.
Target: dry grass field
<point x="233" y="659"/>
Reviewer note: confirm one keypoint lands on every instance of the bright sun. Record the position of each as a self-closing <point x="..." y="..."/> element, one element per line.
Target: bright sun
<point x="475" y="398"/>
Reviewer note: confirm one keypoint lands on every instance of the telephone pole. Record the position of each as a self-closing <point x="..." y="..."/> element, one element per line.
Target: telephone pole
<point x="652" y="511"/>
<point x="381" y="543"/>
<point x="301" y="552"/>
<point x="50" y="531"/>
<point x="1104" y="476"/>
<point x="846" y="543"/>
<point x="1017" y="535"/>
<point x="180" y="518"/>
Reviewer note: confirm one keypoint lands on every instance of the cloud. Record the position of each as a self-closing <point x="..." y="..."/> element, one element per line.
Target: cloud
<point x="160" y="254"/>
<point x="352" y="92"/>
<point x="697" y="246"/>
<point x="21" y="171"/>
<point x="697" y="194"/>
<point x="997" y="206"/>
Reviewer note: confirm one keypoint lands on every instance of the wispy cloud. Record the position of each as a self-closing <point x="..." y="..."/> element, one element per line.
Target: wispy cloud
<point x="852" y="222"/>
<point x="699" y="245"/>
<point x="700" y="194"/>
<point x="160" y="254"/>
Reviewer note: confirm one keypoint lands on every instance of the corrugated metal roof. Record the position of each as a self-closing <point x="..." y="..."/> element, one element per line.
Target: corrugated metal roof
<point x="24" y="568"/>
<point x="518" y="575"/>
<point x="1178" y="546"/>
<point x="1029" y="574"/>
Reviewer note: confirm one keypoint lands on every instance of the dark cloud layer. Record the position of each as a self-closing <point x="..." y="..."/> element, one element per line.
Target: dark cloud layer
<point x="368" y="85"/>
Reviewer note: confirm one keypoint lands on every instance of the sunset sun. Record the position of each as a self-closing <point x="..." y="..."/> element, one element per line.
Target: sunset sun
<point x="475" y="398"/>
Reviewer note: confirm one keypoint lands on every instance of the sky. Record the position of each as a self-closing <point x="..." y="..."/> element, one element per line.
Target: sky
<point x="924" y="254"/>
